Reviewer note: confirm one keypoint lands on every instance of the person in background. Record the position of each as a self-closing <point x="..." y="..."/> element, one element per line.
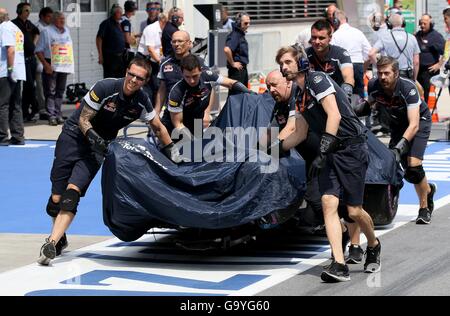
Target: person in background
<point x="431" y="44"/>
<point x="45" y="18"/>
<point x="153" y="9"/>
<point x="30" y="107"/>
<point x="150" y="46"/>
<point x="110" y="43"/>
<point x="227" y="22"/>
<point x="400" y="45"/>
<point x="12" y="73"/>
<point x="236" y="50"/>
<point x="55" y="51"/>
<point x="131" y="39"/>
<point x="175" y="20"/>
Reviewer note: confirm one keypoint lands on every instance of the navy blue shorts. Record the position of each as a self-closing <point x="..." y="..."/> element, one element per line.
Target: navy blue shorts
<point x="345" y="173"/>
<point x="419" y="143"/>
<point x="74" y="163"/>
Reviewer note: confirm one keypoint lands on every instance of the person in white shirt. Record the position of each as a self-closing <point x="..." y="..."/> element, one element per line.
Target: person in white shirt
<point x="150" y="46"/>
<point x="356" y="44"/>
<point x="55" y="51"/>
<point x="304" y="37"/>
<point x="12" y="73"/>
<point x="45" y="18"/>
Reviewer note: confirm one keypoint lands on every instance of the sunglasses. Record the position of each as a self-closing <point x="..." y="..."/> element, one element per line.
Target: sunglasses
<point x="153" y="9"/>
<point x="132" y="75"/>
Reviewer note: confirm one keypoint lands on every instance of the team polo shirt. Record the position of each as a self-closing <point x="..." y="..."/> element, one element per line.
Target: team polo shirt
<point x="405" y="97"/>
<point x="192" y="101"/>
<point x="319" y="85"/>
<point x="114" y="109"/>
<point x="170" y="71"/>
<point x="333" y="63"/>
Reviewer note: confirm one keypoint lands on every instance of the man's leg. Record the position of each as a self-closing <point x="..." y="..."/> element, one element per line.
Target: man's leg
<point x="355" y="232"/>
<point x="15" y="116"/>
<point x="425" y="192"/>
<point x="65" y="218"/>
<point x="333" y="228"/>
<point x="61" y="79"/>
<point x="364" y="221"/>
<point x="5" y="95"/>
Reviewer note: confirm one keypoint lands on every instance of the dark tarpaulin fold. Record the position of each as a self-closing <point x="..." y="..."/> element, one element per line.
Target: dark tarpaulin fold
<point x="141" y="187"/>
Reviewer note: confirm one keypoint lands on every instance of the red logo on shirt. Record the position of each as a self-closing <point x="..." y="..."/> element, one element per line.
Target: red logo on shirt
<point x="111" y="107"/>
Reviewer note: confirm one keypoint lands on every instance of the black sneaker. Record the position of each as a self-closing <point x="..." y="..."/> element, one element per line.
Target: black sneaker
<point x="430" y="196"/>
<point x="52" y="121"/>
<point x="16" y="142"/>
<point x="424" y="216"/>
<point x="61" y="245"/>
<point x="47" y="253"/>
<point x="335" y="272"/>
<point x="4" y="142"/>
<point x="373" y="259"/>
<point x="355" y="255"/>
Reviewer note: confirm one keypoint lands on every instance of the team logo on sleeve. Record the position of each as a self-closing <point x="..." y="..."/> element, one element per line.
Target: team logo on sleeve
<point x="209" y="72"/>
<point x="413" y="92"/>
<point x="318" y="79"/>
<point x="94" y="97"/>
<point x="173" y="103"/>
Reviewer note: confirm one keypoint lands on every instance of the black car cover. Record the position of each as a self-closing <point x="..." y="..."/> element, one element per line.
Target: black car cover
<point x="142" y="188"/>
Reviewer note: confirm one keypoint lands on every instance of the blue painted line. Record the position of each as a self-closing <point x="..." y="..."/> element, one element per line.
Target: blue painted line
<point x="186" y="261"/>
<point x="235" y="283"/>
<point x="81" y="292"/>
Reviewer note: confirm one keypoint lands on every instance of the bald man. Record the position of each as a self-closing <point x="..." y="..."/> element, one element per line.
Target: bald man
<point x="170" y="71"/>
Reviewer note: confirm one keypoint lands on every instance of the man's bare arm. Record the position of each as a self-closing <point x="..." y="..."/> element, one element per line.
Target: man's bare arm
<point x="87" y="114"/>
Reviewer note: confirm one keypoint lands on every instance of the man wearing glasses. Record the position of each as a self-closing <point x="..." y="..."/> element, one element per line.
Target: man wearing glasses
<point x="170" y="70"/>
<point x="108" y="107"/>
<point x="153" y="10"/>
<point x="236" y="50"/>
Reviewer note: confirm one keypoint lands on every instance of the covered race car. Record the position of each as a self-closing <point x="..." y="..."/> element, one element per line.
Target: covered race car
<point x="142" y="189"/>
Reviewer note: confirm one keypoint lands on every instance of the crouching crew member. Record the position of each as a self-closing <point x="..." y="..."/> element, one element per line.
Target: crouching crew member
<point x="109" y="106"/>
<point x="410" y="123"/>
<point x="342" y="158"/>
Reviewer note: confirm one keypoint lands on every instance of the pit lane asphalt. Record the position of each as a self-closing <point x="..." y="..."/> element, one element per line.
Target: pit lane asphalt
<point x="415" y="261"/>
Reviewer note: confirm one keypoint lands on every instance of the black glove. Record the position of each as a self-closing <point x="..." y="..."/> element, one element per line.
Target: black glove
<point x="400" y="149"/>
<point x="328" y="144"/>
<point x="172" y="153"/>
<point x="348" y="89"/>
<point x="240" y="88"/>
<point x="98" y="144"/>
<point x="362" y="109"/>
